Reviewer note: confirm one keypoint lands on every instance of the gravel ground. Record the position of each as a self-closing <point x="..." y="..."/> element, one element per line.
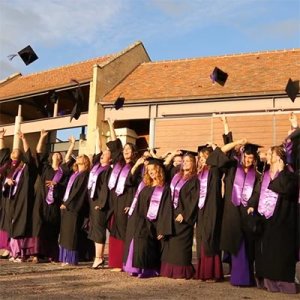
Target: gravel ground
<point x="51" y="281"/>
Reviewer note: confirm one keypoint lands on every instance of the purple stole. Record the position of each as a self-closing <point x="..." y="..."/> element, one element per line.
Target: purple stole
<point x="95" y="172"/>
<point x="267" y="199"/>
<point x="155" y="203"/>
<point x="203" y="178"/>
<point x="176" y="184"/>
<point x="133" y="204"/>
<point x="56" y="178"/>
<point x="69" y="186"/>
<point x="123" y="171"/>
<point x="16" y="177"/>
<point x="242" y="186"/>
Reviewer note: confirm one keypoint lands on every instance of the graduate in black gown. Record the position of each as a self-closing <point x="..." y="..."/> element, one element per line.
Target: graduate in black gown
<point x="241" y="199"/>
<point x="177" y="249"/>
<point x="122" y="186"/>
<point x="276" y="251"/>
<point x="150" y="220"/>
<point x="73" y="208"/>
<point x="208" y="229"/>
<point x="50" y="190"/>
<point x="99" y="203"/>
<point x="5" y="164"/>
<point x="18" y="198"/>
<point x="173" y="162"/>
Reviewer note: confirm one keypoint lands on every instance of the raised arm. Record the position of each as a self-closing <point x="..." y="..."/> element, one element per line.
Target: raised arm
<point x="226" y="148"/>
<point x="169" y="158"/>
<point x="24" y="141"/>
<point x="112" y="131"/>
<point x="71" y="148"/>
<point x="41" y="142"/>
<point x="225" y="124"/>
<point x="2" y="134"/>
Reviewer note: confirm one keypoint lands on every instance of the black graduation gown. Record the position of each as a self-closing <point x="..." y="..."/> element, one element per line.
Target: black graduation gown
<point x="72" y="217"/>
<point x="208" y="228"/>
<point x="98" y="218"/>
<point x="4" y="161"/>
<point x="277" y="251"/>
<point x="117" y="219"/>
<point x="235" y="220"/>
<point x="19" y="208"/>
<point x="46" y="217"/>
<point x="147" y="249"/>
<point x="177" y="249"/>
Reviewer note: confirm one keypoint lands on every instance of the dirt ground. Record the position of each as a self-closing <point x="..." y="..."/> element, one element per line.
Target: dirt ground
<point x="51" y="281"/>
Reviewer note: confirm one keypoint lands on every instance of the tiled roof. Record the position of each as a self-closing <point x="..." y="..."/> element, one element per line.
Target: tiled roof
<point x="50" y="79"/>
<point x="248" y="74"/>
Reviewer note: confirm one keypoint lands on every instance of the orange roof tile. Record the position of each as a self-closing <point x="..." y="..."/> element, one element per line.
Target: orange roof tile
<point x="248" y="74"/>
<point x="50" y="79"/>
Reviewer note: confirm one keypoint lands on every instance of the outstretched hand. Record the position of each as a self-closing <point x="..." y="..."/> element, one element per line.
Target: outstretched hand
<point x="2" y="133"/>
<point x="44" y="133"/>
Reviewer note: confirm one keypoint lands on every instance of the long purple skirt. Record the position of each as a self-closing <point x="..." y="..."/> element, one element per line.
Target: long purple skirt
<point x="68" y="256"/>
<point x="30" y="246"/>
<point x="140" y="273"/>
<point x="277" y="286"/>
<point x="241" y="272"/>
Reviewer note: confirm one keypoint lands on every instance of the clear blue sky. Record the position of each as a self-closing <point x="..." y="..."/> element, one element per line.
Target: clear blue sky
<point x="68" y="31"/>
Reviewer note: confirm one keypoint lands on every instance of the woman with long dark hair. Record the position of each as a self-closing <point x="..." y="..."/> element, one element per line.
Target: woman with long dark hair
<point x="49" y="193"/>
<point x="122" y="186"/>
<point x="177" y="249"/>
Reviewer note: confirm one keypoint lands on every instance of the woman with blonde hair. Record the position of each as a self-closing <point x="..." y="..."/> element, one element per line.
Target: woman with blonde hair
<point x="149" y="222"/>
<point x="72" y="211"/>
<point x="177" y="250"/>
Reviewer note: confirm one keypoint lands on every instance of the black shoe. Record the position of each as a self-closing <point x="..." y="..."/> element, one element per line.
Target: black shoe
<point x="4" y="256"/>
<point x="100" y="265"/>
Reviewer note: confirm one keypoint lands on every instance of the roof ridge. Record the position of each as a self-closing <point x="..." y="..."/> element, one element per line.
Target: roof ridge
<point x="10" y="78"/>
<point x="222" y="56"/>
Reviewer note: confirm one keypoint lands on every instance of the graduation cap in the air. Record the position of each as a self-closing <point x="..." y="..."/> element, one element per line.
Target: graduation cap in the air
<point x="185" y="152"/>
<point x="78" y="98"/>
<point x="119" y="103"/>
<point x="27" y="55"/>
<point x="53" y="97"/>
<point x="292" y="89"/>
<point x="218" y="76"/>
<point x="250" y="148"/>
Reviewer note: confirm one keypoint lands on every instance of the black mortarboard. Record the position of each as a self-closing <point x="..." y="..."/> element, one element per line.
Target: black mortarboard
<point x="27" y="55"/>
<point x="77" y="96"/>
<point x="155" y="161"/>
<point x="53" y="97"/>
<point x="292" y="89"/>
<point x="251" y="148"/>
<point x="218" y="76"/>
<point x="202" y="147"/>
<point x="119" y="103"/>
<point x="184" y="152"/>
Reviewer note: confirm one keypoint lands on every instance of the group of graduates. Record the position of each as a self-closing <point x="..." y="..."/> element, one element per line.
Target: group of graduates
<point x="242" y="209"/>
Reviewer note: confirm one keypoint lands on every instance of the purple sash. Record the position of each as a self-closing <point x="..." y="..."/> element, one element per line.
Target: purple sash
<point x="16" y="177"/>
<point x="95" y="172"/>
<point x="56" y="178"/>
<point x="202" y="177"/>
<point x="122" y="178"/>
<point x="243" y="186"/>
<point x="114" y="175"/>
<point x="155" y="203"/>
<point x="267" y="199"/>
<point x="18" y="174"/>
<point x="133" y="204"/>
<point x="70" y="184"/>
<point x="176" y="184"/>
